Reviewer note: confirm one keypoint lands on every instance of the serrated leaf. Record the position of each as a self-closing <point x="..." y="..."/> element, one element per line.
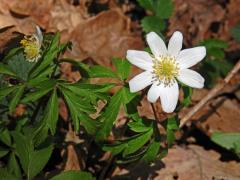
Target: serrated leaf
<point x="163" y="8"/>
<point x="51" y="114"/>
<point x="4" y="69"/>
<point x="109" y="116"/>
<point x="73" y="175"/>
<point x="123" y="67"/>
<point x="100" y="71"/>
<point x="16" y="98"/>
<point x="20" y="66"/>
<point x="153" y="23"/>
<point x="146" y="4"/>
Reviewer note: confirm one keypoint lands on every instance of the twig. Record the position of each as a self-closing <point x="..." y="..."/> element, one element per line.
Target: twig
<point x="210" y="95"/>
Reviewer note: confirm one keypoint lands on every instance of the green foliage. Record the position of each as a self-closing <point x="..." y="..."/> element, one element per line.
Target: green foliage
<point x="123" y="68"/>
<point x="73" y="175"/>
<point x="161" y="9"/>
<point x="235" y="32"/>
<point x="215" y="65"/>
<point x="229" y="141"/>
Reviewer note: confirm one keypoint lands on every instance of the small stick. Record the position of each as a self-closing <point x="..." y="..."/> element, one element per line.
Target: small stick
<point x="210" y="95"/>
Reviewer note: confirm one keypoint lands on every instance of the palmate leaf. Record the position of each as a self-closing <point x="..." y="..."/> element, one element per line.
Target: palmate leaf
<point x="73" y="175"/>
<point x="147" y="4"/>
<point x="7" y="175"/>
<point x="101" y="71"/>
<point x="32" y="160"/>
<point x="20" y="66"/>
<point x="77" y="108"/>
<point x="13" y="166"/>
<point x="43" y="87"/>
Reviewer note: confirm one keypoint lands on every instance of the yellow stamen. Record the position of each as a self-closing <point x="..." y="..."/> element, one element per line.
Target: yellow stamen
<point x="165" y="69"/>
<point x="31" y="48"/>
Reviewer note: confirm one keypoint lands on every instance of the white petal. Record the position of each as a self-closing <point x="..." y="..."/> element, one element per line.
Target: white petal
<point x="154" y="92"/>
<point x="189" y="57"/>
<point x="140" y="81"/>
<point x="169" y="97"/>
<point x="175" y="43"/>
<point x="156" y="44"/>
<point x="140" y="59"/>
<point x="191" y="78"/>
<point x="39" y="35"/>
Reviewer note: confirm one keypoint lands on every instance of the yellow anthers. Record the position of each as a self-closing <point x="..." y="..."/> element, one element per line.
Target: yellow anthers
<point x="165" y="69"/>
<point x="31" y="47"/>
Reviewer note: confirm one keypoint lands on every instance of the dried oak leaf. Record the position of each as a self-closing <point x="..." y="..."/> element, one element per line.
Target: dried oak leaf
<point x="104" y="36"/>
<point x="189" y="163"/>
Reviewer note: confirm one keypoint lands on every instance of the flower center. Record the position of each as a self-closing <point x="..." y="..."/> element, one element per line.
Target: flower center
<point x="31" y="48"/>
<point x="165" y="69"/>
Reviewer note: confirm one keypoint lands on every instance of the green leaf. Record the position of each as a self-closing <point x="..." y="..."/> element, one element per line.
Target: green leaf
<point x="109" y="116"/>
<point x="4" y="69"/>
<point x="12" y="53"/>
<point x="13" y="166"/>
<point x="32" y="161"/>
<point x="137" y="142"/>
<point x="163" y="8"/>
<point x="73" y="175"/>
<point x="214" y="43"/>
<point x="50" y="54"/>
<point x="123" y="67"/>
<point x="7" y="175"/>
<point x="16" y="98"/>
<point x="42" y="90"/>
<point x="172" y="125"/>
<point x="146" y="4"/>
<point x="140" y="126"/>
<point x="51" y="114"/>
<point x="3" y="152"/>
<point x="100" y="71"/>
<point x="153" y="23"/>
<point x="226" y="140"/>
<point x="5" y="137"/>
<point x="152" y="151"/>
<point x="38" y="159"/>
<point x="83" y="68"/>
<point x="6" y="91"/>
<point x="235" y="32"/>
<point x="77" y="109"/>
<point x="187" y="91"/>
<point x="20" y="66"/>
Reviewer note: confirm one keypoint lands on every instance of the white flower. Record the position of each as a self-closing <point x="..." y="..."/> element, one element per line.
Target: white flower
<point x="32" y="45"/>
<point x="163" y="68"/>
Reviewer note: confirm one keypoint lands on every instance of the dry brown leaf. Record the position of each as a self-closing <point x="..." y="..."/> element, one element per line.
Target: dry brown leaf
<point x="104" y="36"/>
<point x="181" y="163"/>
